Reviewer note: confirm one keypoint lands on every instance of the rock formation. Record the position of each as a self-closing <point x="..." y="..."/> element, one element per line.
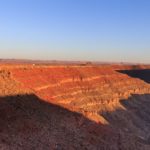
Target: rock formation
<point x="99" y="107"/>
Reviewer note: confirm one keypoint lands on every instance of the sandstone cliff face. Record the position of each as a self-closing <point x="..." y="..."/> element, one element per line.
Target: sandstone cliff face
<point x="74" y="107"/>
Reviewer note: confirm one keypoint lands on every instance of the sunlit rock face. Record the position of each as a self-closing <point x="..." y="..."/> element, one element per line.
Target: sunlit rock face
<point x="75" y="107"/>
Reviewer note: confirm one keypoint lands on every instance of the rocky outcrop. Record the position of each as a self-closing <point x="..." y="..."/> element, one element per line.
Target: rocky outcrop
<point x="108" y="107"/>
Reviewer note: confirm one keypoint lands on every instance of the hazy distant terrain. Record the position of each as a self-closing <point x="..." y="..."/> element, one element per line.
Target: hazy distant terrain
<point x="70" y="107"/>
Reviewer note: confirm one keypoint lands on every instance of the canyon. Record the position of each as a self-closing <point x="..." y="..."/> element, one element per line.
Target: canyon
<point x="71" y="107"/>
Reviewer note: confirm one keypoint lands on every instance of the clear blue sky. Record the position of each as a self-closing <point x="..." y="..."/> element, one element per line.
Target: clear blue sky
<point x="100" y="30"/>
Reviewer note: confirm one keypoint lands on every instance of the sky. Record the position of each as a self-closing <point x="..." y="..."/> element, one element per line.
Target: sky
<point x="93" y="30"/>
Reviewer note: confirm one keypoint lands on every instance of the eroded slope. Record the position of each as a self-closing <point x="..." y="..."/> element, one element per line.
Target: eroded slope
<point x="74" y="107"/>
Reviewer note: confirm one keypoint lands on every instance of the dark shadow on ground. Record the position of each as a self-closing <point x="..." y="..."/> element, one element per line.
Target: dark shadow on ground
<point x="29" y="123"/>
<point x="132" y="122"/>
<point x="143" y="74"/>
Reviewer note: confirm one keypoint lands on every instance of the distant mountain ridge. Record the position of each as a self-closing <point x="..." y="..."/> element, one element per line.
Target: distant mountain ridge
<point x="31" y="61"/>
